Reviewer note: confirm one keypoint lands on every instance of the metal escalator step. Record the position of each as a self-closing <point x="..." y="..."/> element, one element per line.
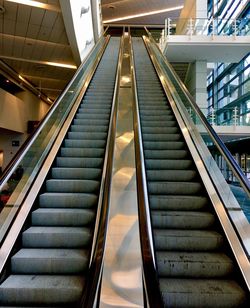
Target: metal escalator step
<point x="156" y="122"/>
<point x="175" y="188"/>
<point x="68" y="200"/>
<point x="87" y="136"/>
<point x="56" y="237"/>
<point x="76" y="173"/>
<point x="168" y="164"/>
<point x="92" y="116"/>
<point x="24" y="290"/>
<point x="209" y="293"/>
<point x="161" y="145"/>
<point x="160" y="130"/>
<point x="72" y="186"/>
<point x="79" y="152"/>
<point x="187" y="240"/>
<point x="87" y="110"/>
<point x="92" y="122"/>
<point x="168" y="119"/>
<point x="161" y="137"/>
<point x="76" y="162"/>
<point x="49" y="261"/>
<point x="172" y="175"/>
<point x="182" y="219"/>
<point x="71" y="143"/>
<point x="157" y="112"/>
<point x="193" y="265"/>
<point x="185" y="203"/>
<point x="155" y="107"/>
<point x="88" y="128"/>
<point x="62" y="217"/>
<point x="166" y="154"/>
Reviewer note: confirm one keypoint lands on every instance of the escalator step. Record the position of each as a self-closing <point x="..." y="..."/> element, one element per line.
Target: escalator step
<point x="182" y="220"/>
<point x="79" y="152"/>
<point x="68" y="200"/>
<point x="168" y="164"/>
<point x="76" y="173"/>
<point x="172" y="175"/>
<point x="72" y="186"/>
<point x="188" y="264"/>
<point x="92" y="116"/>
<point x="187" y="240"/>
<point x="159" y="130"/>
<point x="87" y="136"/>
<point x="53" y="237"/>
<point x="43" y="289"/>
<point x="160" y="202"/>
<point x="175" y="188"/>
<point x="168" y="119"/>
<point x="45" y="261"/>
<point x="160" y="145"/>
<point x="76" y="162"/>
<point x="89" y="123"/>
<point x="88" y="128"/>
<point x="158" y="122"/>
<point x="201" y="293"/>
<point x="167" y="154"/>
<point x="62" y="217"/>
<point x="161" y="137"/>
<point x="71" y="143"/>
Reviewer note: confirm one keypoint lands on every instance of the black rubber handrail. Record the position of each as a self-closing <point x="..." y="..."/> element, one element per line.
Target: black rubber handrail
<point x="91" y="291"/>
<point x="237" y="171"/>
<point x="153" y="296"/>
<point x="10" y="168"/>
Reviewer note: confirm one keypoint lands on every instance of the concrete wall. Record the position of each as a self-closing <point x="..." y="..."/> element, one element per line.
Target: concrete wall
<point x="15" y="112"/>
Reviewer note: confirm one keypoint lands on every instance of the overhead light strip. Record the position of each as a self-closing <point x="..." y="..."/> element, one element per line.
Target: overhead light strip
<point x="37" y="4"/>
<point x="144" y="14"/>
<point x="58" y="64"/>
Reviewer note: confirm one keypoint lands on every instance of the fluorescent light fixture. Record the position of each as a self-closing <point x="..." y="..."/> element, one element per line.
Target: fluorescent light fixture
<point x="38" y="4"/>
<point x="60" y="64"/>
<point x="144" y="14"/>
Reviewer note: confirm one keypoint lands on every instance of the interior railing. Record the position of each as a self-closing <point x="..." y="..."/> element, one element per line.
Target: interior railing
<point x="210" y="137"/>
<point x="23" y="169"/>
<point x="228" y="200"/>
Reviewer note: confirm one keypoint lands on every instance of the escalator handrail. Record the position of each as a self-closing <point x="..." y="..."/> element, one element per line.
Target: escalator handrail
<point x="91" y="291"/>
<point x="16" y="222"/>
<point x="10" y="168"/>
<point x="237" y="171"/>
<point x="151" y="282"/>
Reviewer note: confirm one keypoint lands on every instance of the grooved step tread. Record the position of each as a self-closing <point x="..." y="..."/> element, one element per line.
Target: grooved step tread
<point x="50" y="261"/>
<point x="201" y="293"/>
<point x="42" y="289"/>
<point x="193" y="265"/>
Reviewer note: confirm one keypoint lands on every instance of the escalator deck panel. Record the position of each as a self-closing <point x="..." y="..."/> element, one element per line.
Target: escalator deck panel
<point x="51" y="265"/>
<point x="189" y="243"/>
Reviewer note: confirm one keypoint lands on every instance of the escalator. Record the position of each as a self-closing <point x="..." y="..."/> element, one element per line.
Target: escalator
<point x="51" y="262"/>
<point x="195" y="265"/>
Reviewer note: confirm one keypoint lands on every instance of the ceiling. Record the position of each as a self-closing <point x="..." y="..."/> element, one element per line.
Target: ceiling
<point x="33" y="37"/>
<point x="115" y="9"/>
<point x="30" y="37"/>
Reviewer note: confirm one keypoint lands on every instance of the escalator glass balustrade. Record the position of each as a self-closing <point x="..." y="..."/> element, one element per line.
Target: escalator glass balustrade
<point x="51" y="264"/>
<point x="195" y="265"/>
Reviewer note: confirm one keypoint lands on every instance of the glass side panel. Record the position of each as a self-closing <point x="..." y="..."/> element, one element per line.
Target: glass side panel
<point x="14" y="190"/>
